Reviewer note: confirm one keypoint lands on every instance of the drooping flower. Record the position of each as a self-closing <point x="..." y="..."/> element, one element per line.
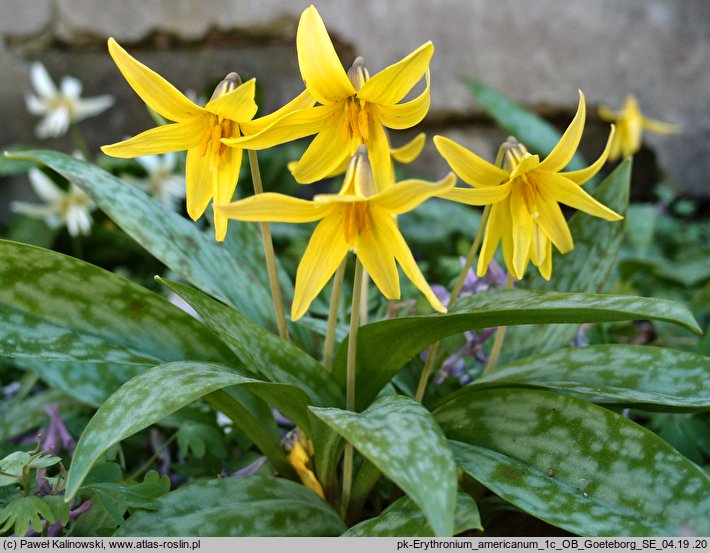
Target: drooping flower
<point x="161" y="181"/>
<point x="354" y="107"/>
<point x="60" y="107"/>
<point x="630" y="124"/>
<point x="525" y="195"/>
<point x="70" y="207"/>
<point x="358" y="219"/>
<point x="212" y="168"/>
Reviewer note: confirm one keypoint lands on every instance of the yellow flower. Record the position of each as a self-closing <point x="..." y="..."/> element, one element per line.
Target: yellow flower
<point x="299" y="457"/>
<point x="525" y="195"/>
<point x="358" y="219"/>
<point x="212" y="168"/>
<point x="630" y="123"/>
<point x="354" y="107"/>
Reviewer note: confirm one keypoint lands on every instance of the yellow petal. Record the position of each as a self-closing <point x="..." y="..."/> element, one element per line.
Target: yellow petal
<point x="290" y="127"/>
<point x="302" y="101"/>
<point x="393" y="83"/>
<point x="324" y="155"/>
<point x="546" y="266"/>
<point x="275" y="208"/>
<point x="562" y="153"/>
<point x="198" y="181"/>
<point x="478" y="196"/>
<point x="522" y="233"/>
<point x="508" y="248"/>
<point x="525" y="165"/>
<point x="538" y="245"/>
<point x="607" y="114"/>
<point x="468" y="166"/>
<point x="374" y="250"/>
<point x="583" y="175"/>
<point x="403" y="255"/>
<point x="408" y="114"/>
<point x="339" y="170"/>
<point x="166" y="138"/>
<point x="299" y="459"/>
<point x="226" y="181"/>
<point x="326" y="249"/>
<point x="237" y="105"/>
<point x="322" y="72"/>
<point x="410" y="151"/>
<point x="568" y="193"/>
<point x="498" y="223"/>
<point x="408" y="194"/>
<point x="155" y="91"/>
<point x="553" y="223"/>
<point x="658" y="126"/>
<point x="378" y="152"/>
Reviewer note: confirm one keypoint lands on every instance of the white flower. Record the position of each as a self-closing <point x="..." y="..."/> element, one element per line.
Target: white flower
<point x="61" y="207"/>
<point x="60" y="107"/>
<point x="162" y="182"/>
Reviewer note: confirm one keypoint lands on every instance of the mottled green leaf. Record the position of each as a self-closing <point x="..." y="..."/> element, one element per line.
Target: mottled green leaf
<point x="385" y="346"/>
<point x="585" y="269"/>
<point x="539" y="136"/>
<point x="576" y="465"/>
<point x="642" y="376"/>
<point x="171" y="238"/>
<point x="236" y="507"/>
<point x="399" y="437"/>
<point x="404" y="518"/>
<point x="261" y="351"/>
<point x="59" y="308"/>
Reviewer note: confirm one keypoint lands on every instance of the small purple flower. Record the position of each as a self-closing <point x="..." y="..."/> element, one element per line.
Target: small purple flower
<point x="580" y="339"/>
<point x="57" y="437"/>
<point x="251" y="468"/>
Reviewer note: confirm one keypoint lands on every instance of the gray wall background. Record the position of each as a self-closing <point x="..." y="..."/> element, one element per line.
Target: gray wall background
<point x="539" y="53"/>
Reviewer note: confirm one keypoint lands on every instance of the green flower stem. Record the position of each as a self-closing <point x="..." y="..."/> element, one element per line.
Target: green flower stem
<point x="333" y="316"/>
<point x="145" y="466"/>
<point x="364" y="297"/>
<point x="269" y="251"/>
<point x="350" y="382"/>
<point x="434" y="349"/>
<point x="79" y="141"/>
<point x="500" y="336"/>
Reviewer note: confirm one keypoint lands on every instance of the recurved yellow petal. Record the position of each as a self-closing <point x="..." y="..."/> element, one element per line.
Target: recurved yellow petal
<point x="292" y="126"/>
<point x="568" y="193"/>
<point x="583" y="175"/>
<point x="166" y="138"/>
<point x="326" y="249"/>
<point x="393" y="83"/>
<point x="522" y="233"/>
<point x="237" y="105"/>
<point x="546" y="266"/>
<point x="324" y="154"/>
<point x="658" y="126"/>
<point x="302" y="101"/>
<point x="379" y="153"/>
<point x="155" y="91"/>
<point x="554" y="224"/>
<point x="398" y="246"/>
<point x="538" y="245"/>
<point x="478" y="196"/>
<point x="322" y="72"/>
<point x="408" y="194"/>
<point x="607" y="114"/>
<point x="375" y="253"/>
<point x="562" y="153"/>
<point x="496" y="225"/>
<point x="408" y="114"/>
<point x="410" y="151"/>
<point x="273" y="207"/>
<point x="468" y="166"/>
<point x="198" y="182"/>
<point x="226" y="182"/>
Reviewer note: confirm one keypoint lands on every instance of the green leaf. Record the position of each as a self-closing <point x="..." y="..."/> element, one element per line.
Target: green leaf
<point x="585" y="269"/>
<point x="12" y="467"/>
<point x="539" y="136"/>
<point x="576" y="465"/>
<point x="399" y="437"/>
<point x="22" y="512"/>
<point x="237" y="507"/>
<point x="59" y="308"/>
<point x="385" y="346"/>
<point x="22" y="416"/>
<point x="404" y="518"/>
<point x="642" y="376"/>
<point x="169" y="237"/>
<point x="260" y="350"/>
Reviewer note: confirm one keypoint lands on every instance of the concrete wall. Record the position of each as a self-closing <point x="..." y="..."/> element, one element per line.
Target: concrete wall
<point x="539" y="53"/>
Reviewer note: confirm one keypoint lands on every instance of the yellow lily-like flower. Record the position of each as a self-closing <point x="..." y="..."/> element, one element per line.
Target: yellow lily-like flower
<point x="354" y="107"/>
<point x="630" y="123"/>
<point x="212" y="169"/>
<point x="525" y="195"/>
<point x="359" y="219"/>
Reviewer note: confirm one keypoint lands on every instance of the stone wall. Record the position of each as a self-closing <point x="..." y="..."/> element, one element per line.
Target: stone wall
<point x="539" y="53"/>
